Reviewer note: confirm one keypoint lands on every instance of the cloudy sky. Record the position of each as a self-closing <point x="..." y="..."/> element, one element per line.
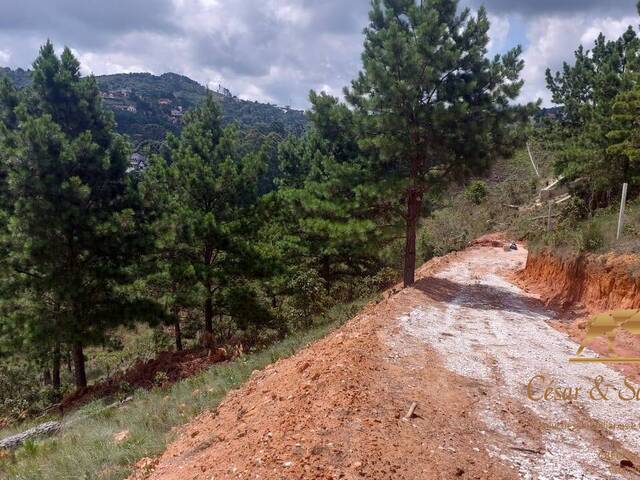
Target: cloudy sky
<point x="276" y="50"/>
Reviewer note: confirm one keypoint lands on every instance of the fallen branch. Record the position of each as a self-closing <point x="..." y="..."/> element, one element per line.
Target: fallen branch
<point x="43" y="430"/>
<point x="513" y="207"/>
<point x="411" y="411"/>
<point x="544" y="216"/>
<point x="526" y="450"/>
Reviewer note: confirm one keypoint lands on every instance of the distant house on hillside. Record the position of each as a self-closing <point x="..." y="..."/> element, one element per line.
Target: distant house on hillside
<point x="137" y="162"/>
<point x="177" y="112"/>
<point x="224" y="91"/>
<point x="123" y="107"/>
<point x="553" y="113"/>
<point x="121" y="93"/>
<point x="164" y="101"/>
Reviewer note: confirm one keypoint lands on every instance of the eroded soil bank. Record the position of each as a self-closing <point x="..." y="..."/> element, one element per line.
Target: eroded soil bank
<point x="578" y="287"/>
<point x="598" y="282"/>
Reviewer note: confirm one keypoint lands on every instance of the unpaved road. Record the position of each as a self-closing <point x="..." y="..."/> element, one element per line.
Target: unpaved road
<point x="464" y="345"/>
<point x="488" y="329"/>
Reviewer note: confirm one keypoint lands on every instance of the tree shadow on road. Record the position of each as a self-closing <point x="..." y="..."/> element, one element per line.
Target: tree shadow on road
<point x="479" y="296"/>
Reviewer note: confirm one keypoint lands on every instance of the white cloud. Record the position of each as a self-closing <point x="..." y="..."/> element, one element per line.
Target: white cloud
<point x="498" y="33"/>
<point x="611" y="27"/>
<point x="554" y="39"/>
<point x="276" y="50"/>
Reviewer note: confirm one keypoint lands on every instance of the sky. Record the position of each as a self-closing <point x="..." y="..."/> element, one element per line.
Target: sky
<point x="277" y="50"/>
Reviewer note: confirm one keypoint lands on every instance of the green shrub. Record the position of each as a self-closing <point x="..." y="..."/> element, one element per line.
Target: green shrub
<point x="160" y="379"/>
<point x="373" y="284"/>
<point x="592" y="237"/>
<point x="309" y="298"/>
<point x="476" y="192"/>
<point x="425" y="248"/>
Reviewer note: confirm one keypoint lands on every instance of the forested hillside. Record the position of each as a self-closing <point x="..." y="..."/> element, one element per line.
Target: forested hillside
<point x="593" y="140"/>
<point x="147" y="106"/>
<point x="229" y="236"/>
<point x="248" y="229"/>
<point x="19" y="77"/>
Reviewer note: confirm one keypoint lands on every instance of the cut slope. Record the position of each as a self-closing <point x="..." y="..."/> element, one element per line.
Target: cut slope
<point x="582" y="285"/>
<point x="463" y="344"/>
<point x="336" y="410"/>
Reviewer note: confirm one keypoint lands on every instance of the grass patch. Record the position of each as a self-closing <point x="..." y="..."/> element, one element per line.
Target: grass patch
<point x="86" y="450"/>
<point x="596" y="234"/>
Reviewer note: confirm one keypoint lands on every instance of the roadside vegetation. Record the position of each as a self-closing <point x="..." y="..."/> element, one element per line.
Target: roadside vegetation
<point x="594" y="139"/>
<point x="495" y="202"/>
<point x="88" y="446"/>
<point x="588" y="146"/>
<point x="225" y="241"/>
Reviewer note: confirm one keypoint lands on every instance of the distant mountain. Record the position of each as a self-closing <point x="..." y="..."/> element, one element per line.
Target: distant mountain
<point x="147" y="106"/>
<point x="20" y="78"/>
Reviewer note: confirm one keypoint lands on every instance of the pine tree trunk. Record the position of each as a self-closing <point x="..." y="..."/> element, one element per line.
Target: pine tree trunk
<point x="46" y="376"/>
<point x="208" y="316"/>
<point x="413" y="210"/>
<point x="55" y="367"/>
<point x="178" y="335"/>
<point x="79" y="373"/>
<point x="67" y="359"/>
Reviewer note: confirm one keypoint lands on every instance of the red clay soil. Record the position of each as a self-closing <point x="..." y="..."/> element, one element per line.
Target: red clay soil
<point x="580" y="286"/>
<point x="599" y="282"/>
<point x="175" y="365"/>
<point x="336" y="411"/>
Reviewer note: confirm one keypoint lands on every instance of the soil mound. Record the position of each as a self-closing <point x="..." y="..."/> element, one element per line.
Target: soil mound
<point x="173" y="366"/>
<point x="337" y="410"/>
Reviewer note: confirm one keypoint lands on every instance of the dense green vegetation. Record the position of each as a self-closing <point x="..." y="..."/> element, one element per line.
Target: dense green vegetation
<point x="232" y="235"/>
<point x="595" y="144"/>
<point x="86" y="448"/>
<point x="19" y="77"/>
<point x="255" y="228"/>
<point x="147" y="107"/>
<point x="90" y="245"/>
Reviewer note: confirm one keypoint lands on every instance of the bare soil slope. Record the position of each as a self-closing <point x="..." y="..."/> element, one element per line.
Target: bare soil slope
<point x="462" y="345"/>
<point x="580" y="286"/>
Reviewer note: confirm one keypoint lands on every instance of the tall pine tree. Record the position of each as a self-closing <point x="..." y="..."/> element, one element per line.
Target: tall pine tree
<point x="73" y="235"/>
<point x="432" y="104"/>
<point x="206" y="190"/>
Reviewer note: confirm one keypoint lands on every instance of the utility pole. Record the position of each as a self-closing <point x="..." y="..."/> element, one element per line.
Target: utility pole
<point x="532" y="161"/>
<point x="622" y="204"/>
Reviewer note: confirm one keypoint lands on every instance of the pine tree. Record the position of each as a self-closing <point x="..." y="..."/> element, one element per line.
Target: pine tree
<point x="590" y="92"/>
<point x="208" y="191"/>
<point x="73" y="236"/>
<point x="624" y="139"/>
<point x="432" y="104"/>
<point x="322" y="219"/>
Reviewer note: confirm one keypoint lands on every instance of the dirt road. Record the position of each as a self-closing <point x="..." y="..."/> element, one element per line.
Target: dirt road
<point x="470" y="348"/>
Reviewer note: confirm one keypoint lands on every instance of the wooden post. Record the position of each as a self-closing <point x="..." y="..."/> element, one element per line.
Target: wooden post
<point x="621" y="217"/>
<point x="549" y="217"/>
<point x="532" y="162"/>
